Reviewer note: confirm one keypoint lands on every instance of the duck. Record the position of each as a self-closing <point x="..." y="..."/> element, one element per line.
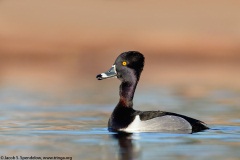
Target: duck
<point x="127" y="68"/>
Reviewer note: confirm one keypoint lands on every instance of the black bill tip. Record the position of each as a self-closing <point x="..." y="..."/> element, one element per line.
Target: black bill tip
<point x="99" y="77"/>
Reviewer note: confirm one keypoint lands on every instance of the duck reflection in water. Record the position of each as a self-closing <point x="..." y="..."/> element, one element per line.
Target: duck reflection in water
<point x="127" y="149"/>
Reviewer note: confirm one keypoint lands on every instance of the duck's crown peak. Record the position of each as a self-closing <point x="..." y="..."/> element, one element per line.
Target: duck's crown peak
<point x="134" y="59"/>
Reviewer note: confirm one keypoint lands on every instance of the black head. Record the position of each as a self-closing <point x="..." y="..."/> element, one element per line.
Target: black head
<point x="127" y="67"/>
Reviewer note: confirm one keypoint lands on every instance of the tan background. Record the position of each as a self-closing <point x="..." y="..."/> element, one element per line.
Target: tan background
<point x="60" y="45"/>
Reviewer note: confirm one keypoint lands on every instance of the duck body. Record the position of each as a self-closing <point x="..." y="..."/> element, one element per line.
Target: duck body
<point x="127" y="68"/>
<point x="130" y="120"/>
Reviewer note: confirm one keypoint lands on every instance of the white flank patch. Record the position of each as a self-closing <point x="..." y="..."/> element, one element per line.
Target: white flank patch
<point x="158" y="124"/>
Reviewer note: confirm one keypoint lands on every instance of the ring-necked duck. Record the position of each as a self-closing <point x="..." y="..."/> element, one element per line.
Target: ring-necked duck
<point x="127" y="68"/>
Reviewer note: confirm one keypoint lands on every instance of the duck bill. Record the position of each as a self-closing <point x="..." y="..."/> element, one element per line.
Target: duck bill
<point x="109" y="74"/>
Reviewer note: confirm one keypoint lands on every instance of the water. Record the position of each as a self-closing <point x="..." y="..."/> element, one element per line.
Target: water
<point x="36" y="124"/>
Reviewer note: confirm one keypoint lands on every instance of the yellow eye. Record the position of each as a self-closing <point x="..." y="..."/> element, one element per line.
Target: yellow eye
<point x="124" y="63"/>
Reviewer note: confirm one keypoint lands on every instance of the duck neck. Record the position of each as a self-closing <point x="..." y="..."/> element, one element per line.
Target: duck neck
<point x="126" y="93"/>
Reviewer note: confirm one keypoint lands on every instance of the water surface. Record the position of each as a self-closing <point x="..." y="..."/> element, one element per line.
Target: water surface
<point x="35" y="124"/>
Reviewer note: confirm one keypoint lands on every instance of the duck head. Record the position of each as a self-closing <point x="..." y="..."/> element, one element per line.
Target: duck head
<point x="127" y="67"/>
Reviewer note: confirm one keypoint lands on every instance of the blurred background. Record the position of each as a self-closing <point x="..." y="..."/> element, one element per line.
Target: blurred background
<point x="58" y="47"/>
